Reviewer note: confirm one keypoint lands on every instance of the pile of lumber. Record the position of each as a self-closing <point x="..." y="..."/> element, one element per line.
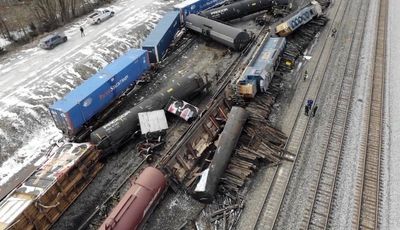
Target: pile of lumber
<point x="259" y="144"/>
<point x="223" y="213"/>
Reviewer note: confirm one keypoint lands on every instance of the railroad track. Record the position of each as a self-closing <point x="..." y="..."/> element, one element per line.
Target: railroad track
<point x="318" y="215"/>
<point x="222" y="83"/>
<point x="368" y="180"/>
<point x="182" y="46"/>
<point x="108" y="201"/>
<point x="278" y="188"/>
<point x="229" y="75"/>
<point x="274" y="196"/>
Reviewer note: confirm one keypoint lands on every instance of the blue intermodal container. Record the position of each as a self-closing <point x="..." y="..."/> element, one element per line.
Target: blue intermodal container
<point x="194" y="6"/>
<point x="161" y="37"/>
<point x="90" y="98"/>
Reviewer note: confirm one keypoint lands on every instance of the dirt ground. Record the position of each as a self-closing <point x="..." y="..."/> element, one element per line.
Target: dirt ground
<point x="180" y="210"/>
<point x="204" y="56"/>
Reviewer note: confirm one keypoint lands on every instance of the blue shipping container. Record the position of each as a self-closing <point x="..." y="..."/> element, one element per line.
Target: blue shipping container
<point x="98" y="92"/>
<point x="161" y="37"/>
<point x="195" y="6"/>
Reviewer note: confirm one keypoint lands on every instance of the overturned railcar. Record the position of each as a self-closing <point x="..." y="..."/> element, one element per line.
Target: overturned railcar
<point x="137" y="204"/>
<point x="240" y="9"/>
<point x="43" y="197"/>
<point x="230" y="36"/>
<point x="194" y="6"/>
<point x="258" y="74"/>
<point x="208" y="184"/>
<point x="85" y="103"/>
<point x="300" y="18"/>
<point x="159" y="40"/>
<point x="111" y="135"/>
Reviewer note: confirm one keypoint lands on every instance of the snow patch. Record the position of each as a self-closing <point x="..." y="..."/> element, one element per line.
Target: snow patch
<point x="4" y="42"/>
<point x="87" y="51"/>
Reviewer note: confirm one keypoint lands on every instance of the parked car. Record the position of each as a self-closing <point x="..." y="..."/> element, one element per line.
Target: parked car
<point x="52" y="40"/>
<point x="100" y="15"/>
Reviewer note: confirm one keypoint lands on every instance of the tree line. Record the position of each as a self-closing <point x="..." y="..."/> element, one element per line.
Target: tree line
<point x="29" y="18"/>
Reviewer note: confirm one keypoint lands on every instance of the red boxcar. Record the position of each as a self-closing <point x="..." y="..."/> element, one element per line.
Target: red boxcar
<point x="138" y="202"/>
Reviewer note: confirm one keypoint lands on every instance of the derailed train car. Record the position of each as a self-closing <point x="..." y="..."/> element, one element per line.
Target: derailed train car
<point x="208" y="184"/>
<point x="138" y="202"/>
<point x="258" y="74"/>
<point x="303" y="16"/>
<point x="111" y="135"/>
<point x="43" y="197"/>
<point x="240" y="9"/>
<point x="232" y="37"/>
<point x="160" y="38"/>
<point x="194" y="6"/>
<point x="79" y="106"/>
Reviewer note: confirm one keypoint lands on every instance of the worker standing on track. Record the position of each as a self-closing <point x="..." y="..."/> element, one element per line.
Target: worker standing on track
<point x="309" y="104"/>
<point x="306" y="110"/>
<point x="333" y="32"/>
<point x="314" y="110"/>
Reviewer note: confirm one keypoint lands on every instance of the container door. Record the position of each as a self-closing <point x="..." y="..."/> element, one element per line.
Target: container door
<point x="60" y="120"/>
<point x="152" y="54"/>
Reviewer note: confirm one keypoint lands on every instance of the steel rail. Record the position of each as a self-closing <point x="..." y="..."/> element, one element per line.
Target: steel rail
<point x="303" y="129"/>
<point x="88" y="221"/>
<point x="328" y="172"/>
<point x="223" y="83"/>
<point x="368" y="194"/>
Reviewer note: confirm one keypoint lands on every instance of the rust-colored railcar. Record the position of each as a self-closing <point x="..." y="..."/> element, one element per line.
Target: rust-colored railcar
<point x="138" y="203"/>
<point x="43" y="197"/>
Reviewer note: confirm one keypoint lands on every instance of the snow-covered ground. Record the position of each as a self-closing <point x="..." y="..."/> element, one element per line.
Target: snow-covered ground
<point x="391" y="197"/>
<point x="32" y="79"/>
<point x="3" y="42"/>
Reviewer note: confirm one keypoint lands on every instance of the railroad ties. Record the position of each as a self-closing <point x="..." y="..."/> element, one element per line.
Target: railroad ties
<point x="367" y="194"/>
<point x="299" y="41"/>
<point x="276" y="203"/>
<point x="259" y="142"/>
<point x="259" y="145"/>
<point x="329" y="168"/>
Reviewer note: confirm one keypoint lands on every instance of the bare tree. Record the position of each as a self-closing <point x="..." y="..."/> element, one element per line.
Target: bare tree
<point x="72" y="6"/>
<point x="46" y="12"/>
<point x="64" y="10"/>
<point x="4" y="28"/>
<point x="47" y="15"/>
<point x="20" y="23"/>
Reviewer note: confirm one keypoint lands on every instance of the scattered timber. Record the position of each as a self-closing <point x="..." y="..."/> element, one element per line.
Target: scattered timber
<point x="298" y="42"/>
<point x="227" y="141"/>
